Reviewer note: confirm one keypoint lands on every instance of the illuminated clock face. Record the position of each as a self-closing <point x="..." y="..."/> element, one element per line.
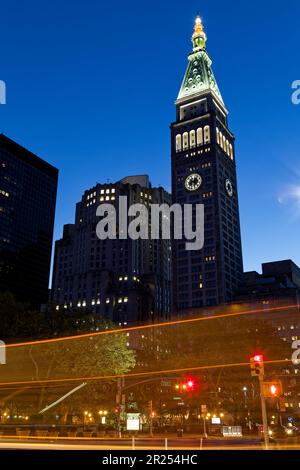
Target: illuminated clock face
<point x="229" y="187"/>
<point x="193" y="182"/>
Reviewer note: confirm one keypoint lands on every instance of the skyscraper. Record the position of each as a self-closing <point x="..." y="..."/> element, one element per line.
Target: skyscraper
<point x="204" y="172"/>
<point x="124" y="280"/>
<point x="28" y="187"/>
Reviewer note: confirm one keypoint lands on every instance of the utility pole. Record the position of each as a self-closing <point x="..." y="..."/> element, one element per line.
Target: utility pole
<point x="203" y="411"/>
<point x="150" y="407"/>
<point x="257" y="370"/>
<point x="264" y="411"/>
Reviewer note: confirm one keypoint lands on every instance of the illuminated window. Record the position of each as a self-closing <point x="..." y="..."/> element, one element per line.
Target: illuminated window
<point x="192" y="139"/>
<point x="199" y="136"/>
<point x="98" y="301"/>
<point x="224" y="143"/>
<point x="57" y="307"/>
<point x="185" y="141"/>
<point x="206" y="134"/>
<point x="231" y="152"/>
<point x="178" y="143"/>
<point x="107" y="301"/>
<point x="120" y="300"/>
<point x="125" y="299"/>
<point x="84" y="303"/>
<point x="101" y="198"/>
<point x="228" y="148"/>
<point x="102" y="191"/>
<point x="218" y="136"/>
<point x="113" y="190"/>
<point x="107" y="191"/>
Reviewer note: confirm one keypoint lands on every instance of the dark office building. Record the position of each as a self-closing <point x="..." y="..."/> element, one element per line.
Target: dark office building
<point x="124" y="280"/>
<point x="204" y="172"/>
<point x="279" y="280"/>
<point x="28" y="187"/>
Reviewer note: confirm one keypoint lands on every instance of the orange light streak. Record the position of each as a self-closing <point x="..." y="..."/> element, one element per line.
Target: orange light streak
<point x="139" y="374"/>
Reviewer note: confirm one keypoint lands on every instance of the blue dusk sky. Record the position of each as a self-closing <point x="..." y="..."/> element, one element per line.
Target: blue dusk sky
<point x="91" y="87"/>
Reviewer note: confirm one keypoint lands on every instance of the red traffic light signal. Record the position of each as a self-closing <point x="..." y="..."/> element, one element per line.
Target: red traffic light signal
<point x="188" y="385"/>
<point x="258" y="358"/>
<point x="257" y="365"/>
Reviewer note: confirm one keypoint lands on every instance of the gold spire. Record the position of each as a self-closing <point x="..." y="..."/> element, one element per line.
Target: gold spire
<point x="198" y="28"/>
<point x="199" y="36"/>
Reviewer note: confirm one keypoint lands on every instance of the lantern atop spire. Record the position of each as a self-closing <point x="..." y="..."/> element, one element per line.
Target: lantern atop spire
<point x="199" y="36"/>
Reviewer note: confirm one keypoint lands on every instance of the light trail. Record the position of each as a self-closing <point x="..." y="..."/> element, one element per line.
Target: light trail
<point x="151" y="326"/>
<point x="140" y="374"/>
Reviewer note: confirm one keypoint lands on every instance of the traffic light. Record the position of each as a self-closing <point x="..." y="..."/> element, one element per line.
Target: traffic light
<point x="257" y="365"/>
<point x="187" y="386"/>
<point x="272" y="389"/>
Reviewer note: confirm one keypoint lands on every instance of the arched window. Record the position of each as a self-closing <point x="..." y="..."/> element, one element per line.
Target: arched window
<point x="192" y="139"/>
<point x="199" y="136"/>
<point x="178" y="143"/>
<point x="231" y="152"/>
<point x="221" y="139"/>
<point x="228" y="148"/>
<point x="206" y="134"/>
<point x="218" y="136"/>
<point x="185" y="141"/>
<point x="224" y="143"/>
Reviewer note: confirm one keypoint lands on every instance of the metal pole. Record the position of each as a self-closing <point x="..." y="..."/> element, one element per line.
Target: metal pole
<point x="264" y="412"/>
<point x="151" y="417"/>
<point x="118" y="403"/>
<point x="204" y="426"/>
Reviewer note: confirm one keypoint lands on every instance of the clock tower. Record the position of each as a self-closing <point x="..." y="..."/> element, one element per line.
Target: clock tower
<point x="204" y="172"/>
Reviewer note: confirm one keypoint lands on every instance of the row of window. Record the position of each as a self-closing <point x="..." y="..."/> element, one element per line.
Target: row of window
<point x="224" y="144"/>
<point x="4" y="193"/>
<point x="192" y="139"/>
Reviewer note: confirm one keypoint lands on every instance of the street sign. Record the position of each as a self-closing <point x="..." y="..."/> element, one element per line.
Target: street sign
<point x="133" y="422"/>
<point x="215" y="420"/>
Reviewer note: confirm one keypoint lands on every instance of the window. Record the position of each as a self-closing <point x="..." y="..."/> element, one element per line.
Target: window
<point x="199" y="136"/>
<point x="178" y="143"/>
<point x="227" y="148"/>
<point x="218" y="135"/>
<point x="206" y="134"/>
<point x="185" y="141"/>
<point x="192" y="139"/>
<point x="224" y="143"/>
<point x="221" y="140"/>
